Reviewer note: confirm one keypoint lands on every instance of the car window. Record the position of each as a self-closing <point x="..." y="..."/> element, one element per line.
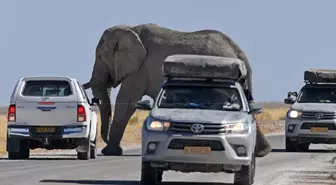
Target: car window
<point x="214" y="98"/>
<point x="47" y="88"/>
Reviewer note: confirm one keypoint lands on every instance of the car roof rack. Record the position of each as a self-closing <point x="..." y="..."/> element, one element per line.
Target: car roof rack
<point x="199" y="78"/>
<point x="204" y="66"/>
<point x="320" y="76"/>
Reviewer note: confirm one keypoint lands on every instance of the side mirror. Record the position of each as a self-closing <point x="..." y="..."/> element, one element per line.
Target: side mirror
<point x="289" y="94"/>
<point x="144" y="105"/>
<point x="95" y="101"/>
<point x="289" y="101"/>
<point x="255" y="109"/>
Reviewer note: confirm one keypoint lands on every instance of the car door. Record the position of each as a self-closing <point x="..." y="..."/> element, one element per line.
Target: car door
<point x="91" y="113"/>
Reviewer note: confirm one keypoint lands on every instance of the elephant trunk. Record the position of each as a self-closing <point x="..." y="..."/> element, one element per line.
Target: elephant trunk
<point x="87" y="85"/>
<point x="101" y="89"/>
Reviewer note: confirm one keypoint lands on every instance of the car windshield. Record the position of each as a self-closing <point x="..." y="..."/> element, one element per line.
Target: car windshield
<point x="318" y="95"/>
<point x="213" y="98"/>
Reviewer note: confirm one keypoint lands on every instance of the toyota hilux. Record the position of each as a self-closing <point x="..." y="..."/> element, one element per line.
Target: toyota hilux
<point x="311" y="118"/>
<point x="201" y="123"/>
<point x="51" y="112"/>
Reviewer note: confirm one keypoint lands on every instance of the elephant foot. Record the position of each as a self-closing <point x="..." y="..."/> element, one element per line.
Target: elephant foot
<point x="112" y="151"/>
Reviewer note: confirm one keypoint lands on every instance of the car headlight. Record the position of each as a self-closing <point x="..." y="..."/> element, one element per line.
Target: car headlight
<point x="236" y="128"/>
<point x="158" y="125"/>
<point x="294" y="114"/>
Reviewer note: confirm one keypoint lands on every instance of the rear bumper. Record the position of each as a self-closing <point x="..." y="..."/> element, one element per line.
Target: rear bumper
<point x="62" y="132"/>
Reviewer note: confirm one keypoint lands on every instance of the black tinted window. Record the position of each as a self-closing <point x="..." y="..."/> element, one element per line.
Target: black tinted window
<point x="47" y="88"/>
<point x="318" y="95"/>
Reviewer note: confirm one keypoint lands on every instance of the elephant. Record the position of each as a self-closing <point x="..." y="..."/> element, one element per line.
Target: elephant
<point x="133" y="56"/>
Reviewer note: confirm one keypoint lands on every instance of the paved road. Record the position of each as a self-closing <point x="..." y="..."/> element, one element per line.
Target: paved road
<point x="278" y="168"/>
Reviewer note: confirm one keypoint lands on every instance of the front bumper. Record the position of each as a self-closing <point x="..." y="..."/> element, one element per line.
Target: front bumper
<point x="224" y="148"/>
<point x="304" y="132"/>
<point x="62" y="132"/>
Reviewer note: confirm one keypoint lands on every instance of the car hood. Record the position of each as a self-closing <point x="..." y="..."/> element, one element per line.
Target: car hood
<point x="316" y="107"/>
<point x="197" y="115"/>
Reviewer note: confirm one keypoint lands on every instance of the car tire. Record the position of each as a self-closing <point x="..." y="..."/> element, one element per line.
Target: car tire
<point x="23" y="152"/>
<point x="149" y="175"/>
<point x="85" y="155"/>
<point x="290" y="146"/>
<point x="246" y="175"/>
<point x="303" y="147"/>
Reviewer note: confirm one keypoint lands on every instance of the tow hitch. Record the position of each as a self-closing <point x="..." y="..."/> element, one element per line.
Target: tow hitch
<point x="46" y="141"/>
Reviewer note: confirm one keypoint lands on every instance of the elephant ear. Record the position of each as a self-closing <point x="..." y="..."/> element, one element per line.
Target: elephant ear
<point x="124" y="53"/>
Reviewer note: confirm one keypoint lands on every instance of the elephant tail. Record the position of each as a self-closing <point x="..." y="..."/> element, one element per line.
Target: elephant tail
<point x="87" y="85"/>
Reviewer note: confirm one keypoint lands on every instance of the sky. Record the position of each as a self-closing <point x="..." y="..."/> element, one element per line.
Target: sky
<point x="281" y="38"/>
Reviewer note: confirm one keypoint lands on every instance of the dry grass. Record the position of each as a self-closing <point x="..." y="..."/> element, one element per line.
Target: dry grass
<point x="271" y="114"/>
<point x="132" y="134"/>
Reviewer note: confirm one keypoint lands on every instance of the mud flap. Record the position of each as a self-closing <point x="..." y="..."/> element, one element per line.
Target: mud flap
<point x="16" y="144"/>
<point x="13" y="145"/>
<point x="83" y="145"/>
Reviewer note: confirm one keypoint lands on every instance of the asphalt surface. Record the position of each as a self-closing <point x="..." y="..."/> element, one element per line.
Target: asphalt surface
<point x="277" y="168"/>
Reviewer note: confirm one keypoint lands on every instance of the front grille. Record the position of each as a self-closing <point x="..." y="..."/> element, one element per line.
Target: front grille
<point x="331" y="126"/>
<point x="179" y="144"/>
<point x="209" y="128"/>
<point x="326" y="115"/>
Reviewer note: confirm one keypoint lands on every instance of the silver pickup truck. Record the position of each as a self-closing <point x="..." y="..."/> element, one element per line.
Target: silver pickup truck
<point x="312" y="116"/>
<point x="199" y="125"/>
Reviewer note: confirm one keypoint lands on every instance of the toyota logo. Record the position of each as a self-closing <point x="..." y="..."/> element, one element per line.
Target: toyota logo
<point x="319" y="115"/>
<point x="197" y="128"/>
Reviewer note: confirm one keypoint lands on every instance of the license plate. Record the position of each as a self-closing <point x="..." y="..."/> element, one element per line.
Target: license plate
<point x="45" y="129"/>
<point x="197" y="150"/>
<point x="319" y="129"/>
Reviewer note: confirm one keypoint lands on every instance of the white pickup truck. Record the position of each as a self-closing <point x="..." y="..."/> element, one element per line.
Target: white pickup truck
<point x="51" y="113"/>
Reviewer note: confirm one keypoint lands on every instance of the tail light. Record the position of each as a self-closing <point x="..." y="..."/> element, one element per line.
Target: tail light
<point x="11" y="117"/>
<point x="81" y="114"/>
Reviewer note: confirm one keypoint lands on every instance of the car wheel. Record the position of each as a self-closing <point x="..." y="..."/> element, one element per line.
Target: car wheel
<point x="303" y="147"/>
<point x="149" y="175"/>
<point x="290" y="146"/>
<point x="22" y="153"/>
<point x="246" y="175"/>
<point x="160" y="174"/>
<point x="85" y="155"/>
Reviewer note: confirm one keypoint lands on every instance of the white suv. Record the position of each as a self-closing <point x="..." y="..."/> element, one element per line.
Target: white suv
<point x="51" y="113"/>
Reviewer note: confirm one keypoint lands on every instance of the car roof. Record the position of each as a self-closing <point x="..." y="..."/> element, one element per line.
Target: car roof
<point x="49" y="77"/>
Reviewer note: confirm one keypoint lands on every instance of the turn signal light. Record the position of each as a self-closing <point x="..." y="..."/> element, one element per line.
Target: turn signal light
<point x="11" y="117"/>
<point x="81" y="114"/>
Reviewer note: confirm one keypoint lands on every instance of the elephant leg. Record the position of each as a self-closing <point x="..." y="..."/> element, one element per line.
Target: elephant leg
<point x="132" y="89"/>
<point x="263" y="146"/>
<point x="106" y="113"/>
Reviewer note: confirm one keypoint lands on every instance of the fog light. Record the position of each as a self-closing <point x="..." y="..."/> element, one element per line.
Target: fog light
<point x="291" y="127"/>
<point x="151" y="146"/>
<point x="241" y="150"/>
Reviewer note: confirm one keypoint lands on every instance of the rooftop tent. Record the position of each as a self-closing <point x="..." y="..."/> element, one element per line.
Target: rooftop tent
<point x="202" y="66"/>
<point x="320" y="75"/>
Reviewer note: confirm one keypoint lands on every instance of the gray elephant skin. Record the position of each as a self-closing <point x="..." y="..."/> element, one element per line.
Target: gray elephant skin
<point x="133" y="56"/>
